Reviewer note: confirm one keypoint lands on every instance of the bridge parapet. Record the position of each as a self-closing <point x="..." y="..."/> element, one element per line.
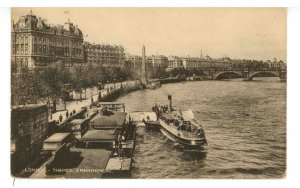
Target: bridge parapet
<point x="247" y="74"/>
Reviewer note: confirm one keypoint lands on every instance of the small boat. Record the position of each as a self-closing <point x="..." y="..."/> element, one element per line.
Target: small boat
<point x="153" y="85"/>
<point x="181" y="127"/>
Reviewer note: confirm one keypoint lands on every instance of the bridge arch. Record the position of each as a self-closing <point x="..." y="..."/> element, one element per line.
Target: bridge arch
<point x="253" y="74"/>
<point x="218" y="74"/>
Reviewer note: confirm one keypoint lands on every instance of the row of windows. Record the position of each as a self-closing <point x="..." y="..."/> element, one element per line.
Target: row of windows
<point x="110" y="62"/>
<point x="22" y="62"/>
<point x="104" y="59"/>
<point x="19" y="39"/>
<point x="105" y="50"/>
<point x="43" y="49"/>
<point x="57" y="41"/>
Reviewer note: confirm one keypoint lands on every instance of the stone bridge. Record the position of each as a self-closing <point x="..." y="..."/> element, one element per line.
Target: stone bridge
<point x="246" y="74"/>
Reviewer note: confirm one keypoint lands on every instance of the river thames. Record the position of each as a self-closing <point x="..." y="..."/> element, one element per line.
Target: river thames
<point x="244" y="122"/>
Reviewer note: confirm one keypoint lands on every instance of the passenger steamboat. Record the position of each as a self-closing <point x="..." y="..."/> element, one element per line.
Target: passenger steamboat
<point x="181" y="127"/>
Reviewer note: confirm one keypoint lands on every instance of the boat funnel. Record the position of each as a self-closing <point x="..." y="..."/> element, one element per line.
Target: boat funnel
<point x="170" y="103"/>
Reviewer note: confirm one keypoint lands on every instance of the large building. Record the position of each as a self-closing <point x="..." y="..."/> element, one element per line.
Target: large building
<point x="36" y="44"/>
<point x="158" y="61"/>
<point x="134" y="61"/>
<point x="206" y="63"/>
<point x="104" y="54"/>
<point x="29" y="125"/>
<point x="174" y="62"/>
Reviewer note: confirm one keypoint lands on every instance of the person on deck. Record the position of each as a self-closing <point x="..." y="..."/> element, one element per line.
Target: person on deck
<point x="60" y="118"/>
<point x="67" y="114"/>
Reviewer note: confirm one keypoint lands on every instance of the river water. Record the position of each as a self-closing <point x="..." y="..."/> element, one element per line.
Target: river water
<point x="244" y="122"/>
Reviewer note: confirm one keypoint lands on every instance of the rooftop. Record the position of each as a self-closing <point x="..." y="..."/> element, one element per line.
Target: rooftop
<point x="57" y="137"/>
<point x="81" y="163"/>
<point x="99" y="135"/>
<point x="113" y="120"/>
<point x="77" y="122"/>
<point x="107" y="103"/>
<point x="92" y="165"/>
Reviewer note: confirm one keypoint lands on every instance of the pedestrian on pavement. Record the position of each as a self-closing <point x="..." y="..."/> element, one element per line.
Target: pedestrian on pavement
<point x="67" y="114"/>
<point x="71" y="114"/>
<point x="74" y="111"/>
<point x="60" y="118"/>
<point x="92" y="100"/>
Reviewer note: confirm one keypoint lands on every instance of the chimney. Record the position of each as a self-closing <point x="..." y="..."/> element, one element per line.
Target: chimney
<point x="170" y="103"/>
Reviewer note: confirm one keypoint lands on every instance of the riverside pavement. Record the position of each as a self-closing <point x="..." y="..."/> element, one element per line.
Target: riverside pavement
<point x="77" y="104"/>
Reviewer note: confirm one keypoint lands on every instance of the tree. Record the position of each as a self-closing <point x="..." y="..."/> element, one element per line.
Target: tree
<point x="54" y="79"/>
<point x="25" y="88"/>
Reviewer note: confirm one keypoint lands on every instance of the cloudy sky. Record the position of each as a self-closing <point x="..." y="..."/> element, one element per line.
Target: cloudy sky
<point x="258" y="33"/>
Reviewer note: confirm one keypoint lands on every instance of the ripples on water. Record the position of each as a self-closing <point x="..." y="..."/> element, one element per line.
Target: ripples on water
<point x="244" y="122"/>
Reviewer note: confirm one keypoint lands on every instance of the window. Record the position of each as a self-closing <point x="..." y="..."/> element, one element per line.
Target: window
<point x="26" y="39"/>
<point x="44" y="49"/>
<point x="17" y="48"/>
<point x="40" y="49"/>
<point x="22" y="48"/>
<point x="13" y="49"/>
<point x="21" y="62"/>
<point x="35" y="48"/>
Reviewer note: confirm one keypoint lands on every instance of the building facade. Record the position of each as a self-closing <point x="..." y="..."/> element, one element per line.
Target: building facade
<point x="158" y="61"/>
<point x="36" y="44"/>
<point x="32" y="121"/>
<point x="29" y="127"/>
<point x="135" y="61"/>
<point x="206" y="63"/>
<point x="174" y="62"/>
<point x="104" y="54"/>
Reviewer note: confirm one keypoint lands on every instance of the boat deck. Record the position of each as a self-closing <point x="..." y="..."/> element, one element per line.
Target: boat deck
<point x="173" y="129"/>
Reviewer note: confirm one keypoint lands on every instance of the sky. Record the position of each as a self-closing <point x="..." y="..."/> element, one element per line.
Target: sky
<point x="239" y="33"/>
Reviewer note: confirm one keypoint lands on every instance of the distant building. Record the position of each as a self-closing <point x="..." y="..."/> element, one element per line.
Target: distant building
<point x="158" y="61"/>
<point x="190" y="62"/>
<point x="36" y="44"/>
<point x="29" y="126"/>
<point x="104" y="54"/>
<point x="135" y="61"/>
<point x="174" y="62"/>
<point x="206" y="63"/>
<point x="276" y="64"/>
